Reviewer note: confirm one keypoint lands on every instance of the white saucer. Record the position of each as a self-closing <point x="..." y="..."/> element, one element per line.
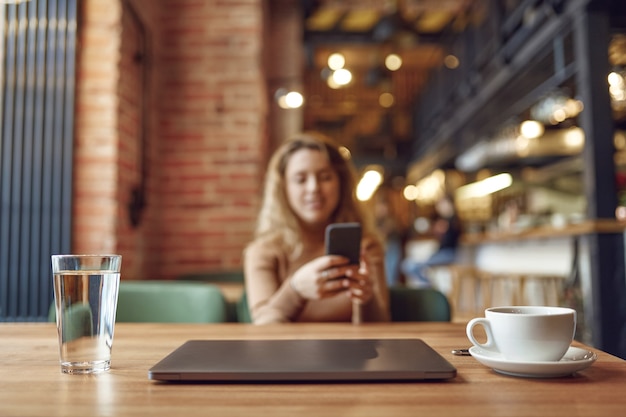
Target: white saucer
<point x="575" y="359"/>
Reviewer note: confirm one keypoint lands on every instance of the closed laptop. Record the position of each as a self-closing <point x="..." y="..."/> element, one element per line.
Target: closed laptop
<point x="303" y="360"/>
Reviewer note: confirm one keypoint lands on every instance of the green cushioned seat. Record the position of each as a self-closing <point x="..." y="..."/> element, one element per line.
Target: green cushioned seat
<point x="235" y="276"/>
<point x="242" y="310"/>
<point x="407" y="304"/>
<point x="418" y="304"/>
<point x="78" y="319"/>
<point x="170" y="302"/>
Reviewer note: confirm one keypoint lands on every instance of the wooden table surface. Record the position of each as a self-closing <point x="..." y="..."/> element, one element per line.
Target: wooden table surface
<point x="31" y="383"/>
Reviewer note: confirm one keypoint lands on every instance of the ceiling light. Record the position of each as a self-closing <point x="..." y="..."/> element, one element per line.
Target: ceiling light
<point x="393" y="62"/>
<point x="451" y="61"/>
<point x="619" y="140"/>
<point x="617" y="87"/>
<point x="410" y="192"/>
<point x="430" y="188"/>
<point x="345" y="152"/>
<point x="485" y="187"/>
<point x="531" y="129"/>
<point x="574" y="138"/>
<point x="573" y="107"/>
<point x="556" y="108"/>
<point x="342" y="77"/>
<point x="288" y="99"/>
<point x="386" y="100"/>
<point x="294" y="99"/>
<point x="330" y="81"/>
<point x="368" y="184"/>
<point x="616" y="79"/>
<point x="324" y="19"/>
<point x="336" y="61"/>
<point x="522" y="145"/>
<point x="559" y="115"/>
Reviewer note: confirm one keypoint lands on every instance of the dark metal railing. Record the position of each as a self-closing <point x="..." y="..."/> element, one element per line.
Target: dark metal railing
<point x="37" y="74"/>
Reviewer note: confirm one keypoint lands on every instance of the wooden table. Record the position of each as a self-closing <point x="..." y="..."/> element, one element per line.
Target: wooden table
<point x="31" y="383"/>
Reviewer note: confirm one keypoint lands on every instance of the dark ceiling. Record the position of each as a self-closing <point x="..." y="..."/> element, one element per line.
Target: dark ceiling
<point x="365" y="32"/>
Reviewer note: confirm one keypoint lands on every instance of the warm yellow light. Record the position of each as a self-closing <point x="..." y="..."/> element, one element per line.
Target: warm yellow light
<point x="617" y="93"/>
<point x="336" y="61"/>
<point x="386" y="100"/>
<point x="393" y="62"/>
<point x="573" y="107"/>
<point x="531" y="129"/>
<point x="294" y="99"/>
<point x="330" y="81"/>
<point x="368" y="184"/>
<point x="342" y="77"/>
<point x="485" y="187"/>
<point x="430" y="188"/>
<point x="290" y="100"/>
<point x="559" y="115"/>
<point x="615" y="79"/>
<point x="410" y="192"/>
<point x="619" y="140"/>
<point x="522" y="145"/>
<point x="574" y="138"/>
<point x="451" y="62"/>
<point x="345" y="152"/>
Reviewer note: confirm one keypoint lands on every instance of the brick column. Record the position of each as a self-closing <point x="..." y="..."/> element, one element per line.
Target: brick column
<point x="207" y="134"/>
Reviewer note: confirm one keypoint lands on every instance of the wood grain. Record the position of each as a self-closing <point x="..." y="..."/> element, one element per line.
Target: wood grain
<point x="31" y="383"/>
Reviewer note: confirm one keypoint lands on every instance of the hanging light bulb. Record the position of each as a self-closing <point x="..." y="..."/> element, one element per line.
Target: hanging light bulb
<point x="342" y="77"/>
<point x="393" y="62"/>
<point x="289" y="99"/>
<point x="451" y="61"/>
<point x="336" y="61"/>
<point x="386" y="100"/>
<point x="531" y="129"/>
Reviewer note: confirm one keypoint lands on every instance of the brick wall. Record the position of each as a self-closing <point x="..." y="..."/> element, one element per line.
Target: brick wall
<point x="206" y="140"/>
<point x="96" y="142"/>
<point x="135" y="137"/>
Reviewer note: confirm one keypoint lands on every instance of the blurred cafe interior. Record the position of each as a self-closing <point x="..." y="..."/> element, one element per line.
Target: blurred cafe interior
<point x="143" y="127"/>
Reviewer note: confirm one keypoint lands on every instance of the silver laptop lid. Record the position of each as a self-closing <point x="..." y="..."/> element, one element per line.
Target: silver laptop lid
<point x="303" y="360"/>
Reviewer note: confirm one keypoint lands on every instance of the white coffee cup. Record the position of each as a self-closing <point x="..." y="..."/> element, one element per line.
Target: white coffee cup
<point x="526" y="333"/>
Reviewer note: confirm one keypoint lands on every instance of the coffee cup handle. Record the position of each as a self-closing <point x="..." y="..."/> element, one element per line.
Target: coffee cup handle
<point x="489" y="345"/>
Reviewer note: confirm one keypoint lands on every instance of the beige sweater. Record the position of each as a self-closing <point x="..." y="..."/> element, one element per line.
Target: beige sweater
<point x="268" y="267"/>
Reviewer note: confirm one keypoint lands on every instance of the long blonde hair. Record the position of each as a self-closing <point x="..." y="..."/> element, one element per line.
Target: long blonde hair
<point x="276" y="216"/>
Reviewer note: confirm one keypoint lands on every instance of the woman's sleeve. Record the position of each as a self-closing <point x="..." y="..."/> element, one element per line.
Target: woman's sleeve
<point x="270" y="298"/>
<point x="377" y="309"/>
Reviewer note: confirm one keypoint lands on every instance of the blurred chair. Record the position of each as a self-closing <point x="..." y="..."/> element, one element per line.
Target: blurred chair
<point x="505" y="289"/>
<point x="418" y="304"/>
<point x="407" y="304"/>
<point x="461" y="285"/>
<point x="170" y="302"/>
<point x="230" y="282"/>
<point x="520" y="289"/>
<point x="242" y="310"/>
<point x="79" y="318"/>
<point x="234" y="275"/>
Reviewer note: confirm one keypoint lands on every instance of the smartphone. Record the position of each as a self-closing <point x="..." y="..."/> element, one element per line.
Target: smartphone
<point x="344" y="239"/>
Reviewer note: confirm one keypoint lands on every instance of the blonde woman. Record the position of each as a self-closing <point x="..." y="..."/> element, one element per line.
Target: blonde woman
<point x="309" y="184"/>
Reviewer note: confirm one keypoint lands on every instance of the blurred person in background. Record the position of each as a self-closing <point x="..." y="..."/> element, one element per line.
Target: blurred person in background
<point x="309" y="184"/>
<point x="447" y="230"/>
<point x="389" y="227"/>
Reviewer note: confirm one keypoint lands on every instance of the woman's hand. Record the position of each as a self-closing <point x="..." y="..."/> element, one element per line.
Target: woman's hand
<point x="325" y="277"/>
<point x="360" y="285"/>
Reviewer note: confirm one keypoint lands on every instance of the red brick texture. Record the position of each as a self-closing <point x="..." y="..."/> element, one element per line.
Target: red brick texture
<point x="205" y="145"/>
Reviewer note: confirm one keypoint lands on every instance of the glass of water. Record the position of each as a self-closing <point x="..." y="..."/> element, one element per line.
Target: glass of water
<point x="85" y="293"/>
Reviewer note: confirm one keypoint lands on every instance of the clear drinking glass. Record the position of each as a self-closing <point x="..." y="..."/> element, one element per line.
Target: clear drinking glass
<point x="85" y="293"/>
